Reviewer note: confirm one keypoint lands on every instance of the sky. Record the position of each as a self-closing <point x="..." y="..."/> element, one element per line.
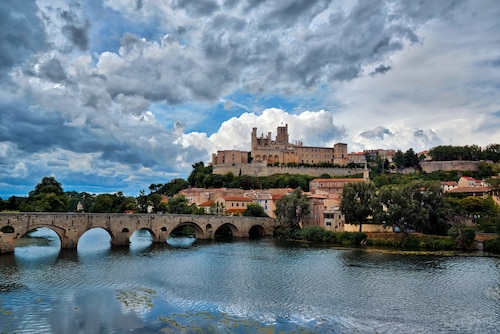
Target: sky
<point x="115" y="95"/>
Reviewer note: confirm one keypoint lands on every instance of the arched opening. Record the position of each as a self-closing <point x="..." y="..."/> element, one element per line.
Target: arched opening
<point x="94" y="241"/>
<point x="39" y="246"/>
<point x="226" y="231"/>
<point x="256" y="232"/>
<point x="7" y="229"/>
<point x="141" y="239"/>
<point x="184" y="235"/>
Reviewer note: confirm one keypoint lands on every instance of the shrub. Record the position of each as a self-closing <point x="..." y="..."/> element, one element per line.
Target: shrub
<point x="492" y="246"/>
<point x="464" y="237"/>
<point x="410" y="242"/>
<point x="318" y="234"/>
<point x="311" y="233"/>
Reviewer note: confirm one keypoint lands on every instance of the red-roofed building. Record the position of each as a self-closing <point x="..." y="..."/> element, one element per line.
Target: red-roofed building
<point x="207" y="206"/>
<point x="472" y="191"/>
<point x="232" y="204"/>
<point x="467" y="181"/>
<point x="448" y="185"/>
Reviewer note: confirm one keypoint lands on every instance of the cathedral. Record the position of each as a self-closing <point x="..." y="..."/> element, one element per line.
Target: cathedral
<point x="281" y="151"/>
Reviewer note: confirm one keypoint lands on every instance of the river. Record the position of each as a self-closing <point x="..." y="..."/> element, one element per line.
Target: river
<point x="247" y="286"/>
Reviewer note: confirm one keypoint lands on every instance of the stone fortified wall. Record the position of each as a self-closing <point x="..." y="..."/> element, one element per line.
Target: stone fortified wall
<point x="261" y="169"/>
<point x="433" y="166"/>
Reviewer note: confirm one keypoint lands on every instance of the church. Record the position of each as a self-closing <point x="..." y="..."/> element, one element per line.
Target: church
<point x="281" y="151"/>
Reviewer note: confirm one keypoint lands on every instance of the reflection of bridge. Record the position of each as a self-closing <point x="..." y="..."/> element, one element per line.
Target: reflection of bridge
<point x="71" y="226"/>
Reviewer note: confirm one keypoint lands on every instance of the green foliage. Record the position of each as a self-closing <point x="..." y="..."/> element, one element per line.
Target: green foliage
<point x="197" y="176"/>
<point x="492" y="246"/>
<point x="254" y="210"/>
<point x="48" y="196"/>
<point x="464" y="237"/>
<point x="318" y="234"/>
<point x="467" y="152"/>
<point x="358" y="202"/>
<point x="179" y="204"/>
<point x="113" y="203"/>
<point x="411" y="206"/>
<point x="488" y="224"/>
<point x="290" y="209"/>
<point x="492" y="152"/>
<point x="171" y="188"/>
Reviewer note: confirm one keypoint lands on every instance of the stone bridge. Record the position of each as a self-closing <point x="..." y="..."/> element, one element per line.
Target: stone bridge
<point x="71" y="226"/>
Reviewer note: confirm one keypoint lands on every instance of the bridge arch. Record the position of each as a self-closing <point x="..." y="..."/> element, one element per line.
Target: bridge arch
<point x="235" y="232"/>
<point x="256" y="231"/>
<point x="58" y="230"/>
<point x="94" y="229"/>
<point x="198" y="231"/>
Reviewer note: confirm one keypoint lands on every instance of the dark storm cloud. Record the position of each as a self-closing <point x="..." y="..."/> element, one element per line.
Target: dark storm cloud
<point x="77" y="35"/>
<point x="231" y="23"/>
<point x="76" y="27"/>
<point x="138" y="4"/>
<point x="381" y="69"/>
<point x="53" y="70"/>
<point x="230" y="49"/>
<point x="21" y="33"/>
<point x="38" y="131"/>
<point x="197" y="8"/>
<point x="379" y="132"/>
<point x="289" y="13"/>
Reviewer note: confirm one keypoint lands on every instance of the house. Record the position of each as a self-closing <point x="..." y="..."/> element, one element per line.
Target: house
<point x="467" y="181"/>
<point x="332" y="188"/>
<point x="264" y="199"/>
<point x="232" y="205"/>
<point x="448" y="185"/>
<point x="208" y="207"/>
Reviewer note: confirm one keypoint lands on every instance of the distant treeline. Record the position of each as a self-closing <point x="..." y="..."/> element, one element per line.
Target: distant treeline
<point x="467" y="153"/>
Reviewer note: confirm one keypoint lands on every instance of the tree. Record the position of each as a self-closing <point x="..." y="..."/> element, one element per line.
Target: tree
<point x="358" y="201"/>
<point x="155" y="201"/>
<point x="290" y="209"/>
<point x="179" y="204"/>
<point x="254" y="210"/>
<point x="411" y="158"/>
<point x="142" y="202"/>
<point x="197" y="176"/>
<point x="47" y="196"/>
<point x="416" y="205"/>
<point x="399" y="159"/>
<point x="492" y="152"/>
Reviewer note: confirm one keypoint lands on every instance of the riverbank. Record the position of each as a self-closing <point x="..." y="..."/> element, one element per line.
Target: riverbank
<point x="483" y="243"/>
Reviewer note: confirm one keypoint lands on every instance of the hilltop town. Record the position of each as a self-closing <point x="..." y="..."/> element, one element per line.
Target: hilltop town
<point x="235" y="180"/>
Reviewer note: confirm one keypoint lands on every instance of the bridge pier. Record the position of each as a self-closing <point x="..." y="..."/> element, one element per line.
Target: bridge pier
<point x="7" y="243"/>
<point x="121" y="239"/>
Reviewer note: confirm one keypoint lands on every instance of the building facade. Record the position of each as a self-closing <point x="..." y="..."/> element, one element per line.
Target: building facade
<point x="229" y="157"/>
<point x="281" y="151"/>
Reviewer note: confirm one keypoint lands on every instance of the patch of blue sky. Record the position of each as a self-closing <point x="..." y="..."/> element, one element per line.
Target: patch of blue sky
<point x="109" y="26"/>
<point x="191" y="116"/>
<point x="290" y="103"/>
<point x="207" y="117"/>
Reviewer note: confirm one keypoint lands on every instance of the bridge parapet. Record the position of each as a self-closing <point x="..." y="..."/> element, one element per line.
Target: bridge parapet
<point x="71" y="226"/>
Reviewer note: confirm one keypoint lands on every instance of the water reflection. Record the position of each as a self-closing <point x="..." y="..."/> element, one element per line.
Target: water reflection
<point x="140" y="241"/>
<point x="181" y="241"/>
<point x="244" y="286"/>
<point x="38" y="248"/>
<point x="96" y="242"/>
